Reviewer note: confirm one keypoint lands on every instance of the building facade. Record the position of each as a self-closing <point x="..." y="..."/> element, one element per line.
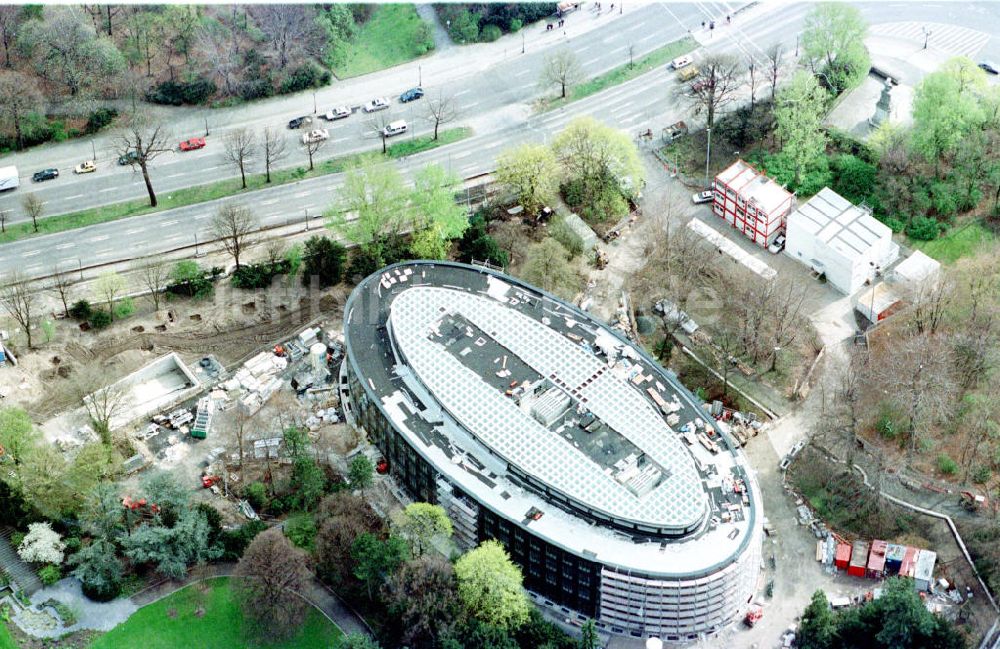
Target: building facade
<point x="533" y="424"/>
<point x="751" y="202"/>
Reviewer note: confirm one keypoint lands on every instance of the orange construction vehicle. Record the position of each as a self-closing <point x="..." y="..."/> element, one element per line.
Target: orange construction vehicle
<point x="208" y="481"/>
<point x="753" y="615"/>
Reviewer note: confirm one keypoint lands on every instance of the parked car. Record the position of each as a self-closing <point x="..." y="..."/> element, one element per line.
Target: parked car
<point x="299" y="122"/>
<point x="681" y="61"/>
<point x="340" y="112"/>
<point x="411" y="94"/>
<point x="990" y="67"/>
<point x="45" y="174"/>
<point x="86" y="167"/>
<point x="699" y="85"/>
<point x="395" y="128"/>
<point x="379" y="103"/>
<point x="128" y="158"/>
<point x="675" y="131"/>
<point x="688" y="73"/>
<point x="778" y="244"/>
<point x="315" y="135"/>
<point x="703" y="197"/>
<point x="192" y="143"/>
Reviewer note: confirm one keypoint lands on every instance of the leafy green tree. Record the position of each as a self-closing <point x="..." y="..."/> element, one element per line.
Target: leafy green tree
<point x="798" y="116"/>
<point x="375" y="560"/>
<point x="371" y="205"/>
<point x="477" y="244"/>
<point x="433" y="201"/>
<point x="361" y="472"/>
<point x="358" y="641"/>
<point x="324" y="259"/>
<point x="588" y="636"/>
<point x="490" y="587"/>
<point x="429" y="244"/>
<point x="100" y="570"/>
<point x="42" y="478"/>
<point x="308" y="482"/>
<point x="945" y="109"/>
<point x="17" y="433"/>
<point x="421" y="598"/>
<point x="421" y="523"/>
<point x="102" y="515"/>
<point x="818" y="625"/>
<point x="596" y="154"/>
<point x="855" y="179"/>
<point x="531" y="173"/>
<point x="833" y="43"/>
<point x="173" y="549"/>
<point x="166" y="491"/>
<point x="547" y="266"/>
<point x="94" y="463"/>
<point x="561" y="69"/>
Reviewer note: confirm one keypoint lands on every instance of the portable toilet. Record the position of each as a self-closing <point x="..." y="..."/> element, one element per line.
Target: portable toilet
<point x="843" y="557"/>
<point x="894" y="554"/>
<point x="876" y="559"/>
<point x="859" y="559"/>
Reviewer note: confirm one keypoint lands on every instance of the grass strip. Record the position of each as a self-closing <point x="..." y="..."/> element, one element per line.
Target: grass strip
<point x="963" y="241"/>
<point x="220" y="189"/>
<point x="393" y="34"/>
<point x="619" y="75"/>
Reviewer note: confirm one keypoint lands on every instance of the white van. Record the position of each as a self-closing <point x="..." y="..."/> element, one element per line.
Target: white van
<point x="681" y="61"/>
<point x="395" y="128"/>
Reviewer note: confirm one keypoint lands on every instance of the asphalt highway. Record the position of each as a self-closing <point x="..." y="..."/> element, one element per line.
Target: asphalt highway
<point x="505" y="119"/>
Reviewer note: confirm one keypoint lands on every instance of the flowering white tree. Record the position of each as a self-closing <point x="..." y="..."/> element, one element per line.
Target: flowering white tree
<point x="41" y="545"/>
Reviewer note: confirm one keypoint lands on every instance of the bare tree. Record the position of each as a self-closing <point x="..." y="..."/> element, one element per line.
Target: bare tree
<point x="441" y="110"/>
<point x="20" y="302"/>
<point x="716" y="85"/>
<point x="109" y="286"/>
<point x="4" y="215"/>
<point x="10" y="18"/>
<point x="234" y="226"/>
<point x="561" y="69"/>
<point x="267" y="582"/>
<point x="377" y="124"/>
<point x="274" y="149"/>
<point x="239" y="426"/>
<point x="786" y="311"/>
<point x="314" y="145"/>
<point x="774" y="55"/>
<point x="61" y="282"/>
<point x="274" y="251"/>
<point x="33" y="208"/>
<point x="153" y="274"/>
<point x="239" y="148"/>
<point x="288" y="27"/>
<point x="105" y="403"/>
<point x="929" y="305"/>
<point x="20" y="97"/>
<point x="221" y="49"/>
<point x="753" y="69"/>
<point x="138" y="143"/>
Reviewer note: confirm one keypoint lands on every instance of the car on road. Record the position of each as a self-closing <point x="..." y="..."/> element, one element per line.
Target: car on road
<point x="688" y="73"/>
<point x="340" y="112"/>
<point x="411" y="94"/>
<point x="395" y="128"/>
<point x="45" y="174"/>
<point x="990" y="67"/>
<point x="699" y="85"/>
<point x="379" y="103"/>
<point x="299" y="122"/>
<point x="315" y="135"/>
<point x="192" y="143"/>
<point x="778" y="244"/>
<point x="681" y="61"/>
<point x="703" y="197"/>
<point x="128" y="158"/>
<point x="85" y="167"/>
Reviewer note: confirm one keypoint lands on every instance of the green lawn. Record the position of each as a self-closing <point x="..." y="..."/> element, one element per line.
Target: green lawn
<point x="220" y="189"/>
<point x="6" y="641"/>
<point x="959" y="242"/>
<point x="171" y="623"/>
<point x="656" y="58"/>
<point x="393" y="34"/>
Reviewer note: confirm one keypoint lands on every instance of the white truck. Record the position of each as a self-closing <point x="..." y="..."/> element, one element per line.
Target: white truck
<point x="9" y="179"/>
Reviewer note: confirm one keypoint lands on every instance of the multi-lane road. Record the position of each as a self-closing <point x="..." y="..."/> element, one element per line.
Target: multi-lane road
<point x="495" y="89"/>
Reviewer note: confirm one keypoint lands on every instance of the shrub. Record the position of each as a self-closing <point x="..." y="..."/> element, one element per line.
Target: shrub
<point x="946" y="465"/>
<point x="49" y="574"/>
<point x="16" y="538"/>
<point x="923" y="228"/>
<point x="854" y="179"/>
<point x="81" y="310"/>
<point x="324" y="259"/>
<point x="886" y="427"/>
<point x="187" y="278"/>
<point x="252" y="276"/>
<point x="235" y="542"/>
<point x="308" y="75"/>
<point x="124" y="308"/>
<point x="516" y="24"/>
<point x="99" y="119"/>
<point x="490" y="33"/>
<point x="895" y="224"/>
<point x="99" y="319"/>
<point x="256" y="89"/>
<point x="301" y="530"/>
<point x="256" y="495"/>
<point x="176" y="93"/>
<point x="73" y="544"/>
<point x="565" y="235"/>
<point x="982" y="474"/>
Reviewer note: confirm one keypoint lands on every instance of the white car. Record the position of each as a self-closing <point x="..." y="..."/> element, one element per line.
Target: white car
<point x="395" y="128"/>
<point x="778" y="244"/>
<point x="379" y="103"/>
<point x="315" y="135"/>
<point x="703" y="197"/>
<point x="86" y="167"/>
<point x="340" y="112"/>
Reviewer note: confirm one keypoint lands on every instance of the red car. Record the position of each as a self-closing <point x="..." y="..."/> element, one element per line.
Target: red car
<point x="192" y="144"/>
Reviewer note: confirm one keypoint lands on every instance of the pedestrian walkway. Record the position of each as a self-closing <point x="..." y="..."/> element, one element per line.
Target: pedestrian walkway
<point x="952" y="39"/>
<point x="442" y="41"/>
<point x="19" y="571"/>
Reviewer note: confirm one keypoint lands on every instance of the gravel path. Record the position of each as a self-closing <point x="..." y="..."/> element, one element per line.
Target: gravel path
<point x="442" y="41"/>
<point x="90" y="615"/>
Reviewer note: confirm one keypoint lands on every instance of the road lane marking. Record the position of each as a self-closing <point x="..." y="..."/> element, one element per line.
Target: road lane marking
<point x="105" y="252"/>
<point x="467" y="106"/>
<point x="100" y="237"/>
<point x="63" y="246"/>
<point x="270" y="202"/>
<point x="32" y="267"/>
<point x="464" y="92"/>
<point x="200" y="217"/>
<point x="459" y="156"/>
<point x="109" y="189"/>
<point x="167" y="224"/>
<point x="31" y="253"/>
<point x="69" y="198"/>
<point x="183" y="173"/>
<point x="134" y="231"/>
<point x="302" y="194"/>
<point x="593" y="60"/>
<point x="523" y="72"/>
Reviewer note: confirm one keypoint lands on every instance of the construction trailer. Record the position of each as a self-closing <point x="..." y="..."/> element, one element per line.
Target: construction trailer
<point x="876" y="559"/>
<point x="923" y="573"/>
<point x="909" y="563"/>
<point x="894" y="554"/>
<point x="843" y="556"/>
<point x="859" y="559"/>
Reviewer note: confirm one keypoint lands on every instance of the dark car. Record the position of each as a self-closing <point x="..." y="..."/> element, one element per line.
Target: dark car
<point x="300" y="121"/>
<point x="45" y="174"/>
<point x="989" y="66"/>
<point x="411" y="94"/>
<point x="128" y="158"/>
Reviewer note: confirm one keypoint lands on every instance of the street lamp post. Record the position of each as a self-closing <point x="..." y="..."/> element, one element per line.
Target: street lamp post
<point x="93" y="150"/>
<point x="195" y="244"/>
<point x="206" y="126"/>
<point x="708" y="152"/>
<point x="871" y="307"/>
<point x="314" y="103"/>
<point x="420" y="76"/>
<point x="796" y="46"/>
<point x="927" y="34"/>
<point x="522" y="42"/>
